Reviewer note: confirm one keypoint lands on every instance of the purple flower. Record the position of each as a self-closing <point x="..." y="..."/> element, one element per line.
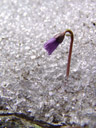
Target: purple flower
<point x="52" y="44"/>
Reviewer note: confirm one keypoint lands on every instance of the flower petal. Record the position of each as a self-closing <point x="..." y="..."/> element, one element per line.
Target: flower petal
<point x="51" y="45"/>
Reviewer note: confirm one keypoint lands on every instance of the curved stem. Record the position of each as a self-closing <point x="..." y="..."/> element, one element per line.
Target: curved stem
<point x="70" y="51"/>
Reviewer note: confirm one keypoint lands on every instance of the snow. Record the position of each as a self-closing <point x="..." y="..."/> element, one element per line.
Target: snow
<point x="30" y="80"/>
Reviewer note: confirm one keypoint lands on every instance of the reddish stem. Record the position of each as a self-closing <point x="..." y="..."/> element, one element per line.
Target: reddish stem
<point x="70" y="51"/>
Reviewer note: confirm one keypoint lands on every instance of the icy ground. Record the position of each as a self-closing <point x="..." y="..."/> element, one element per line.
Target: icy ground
<point x="33" y="82"/>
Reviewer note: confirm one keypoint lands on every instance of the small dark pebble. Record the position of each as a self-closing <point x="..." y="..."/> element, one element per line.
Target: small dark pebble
<point x="94" y="24"/>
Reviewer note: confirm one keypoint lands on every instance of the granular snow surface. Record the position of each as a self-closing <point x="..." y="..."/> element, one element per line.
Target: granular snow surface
<point x="34" y="83"/>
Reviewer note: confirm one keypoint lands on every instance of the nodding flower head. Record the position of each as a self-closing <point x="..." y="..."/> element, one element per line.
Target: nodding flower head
<point x="52" y="44"/>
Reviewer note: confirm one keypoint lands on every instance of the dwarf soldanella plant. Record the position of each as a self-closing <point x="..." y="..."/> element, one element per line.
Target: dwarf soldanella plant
<point x="52" y="44"/>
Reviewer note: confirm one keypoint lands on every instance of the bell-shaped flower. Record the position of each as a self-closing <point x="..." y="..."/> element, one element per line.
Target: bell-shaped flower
<point x="52" y="44"/>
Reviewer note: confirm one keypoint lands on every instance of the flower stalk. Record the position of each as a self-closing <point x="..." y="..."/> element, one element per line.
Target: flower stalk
<point x="70" y="51"/>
